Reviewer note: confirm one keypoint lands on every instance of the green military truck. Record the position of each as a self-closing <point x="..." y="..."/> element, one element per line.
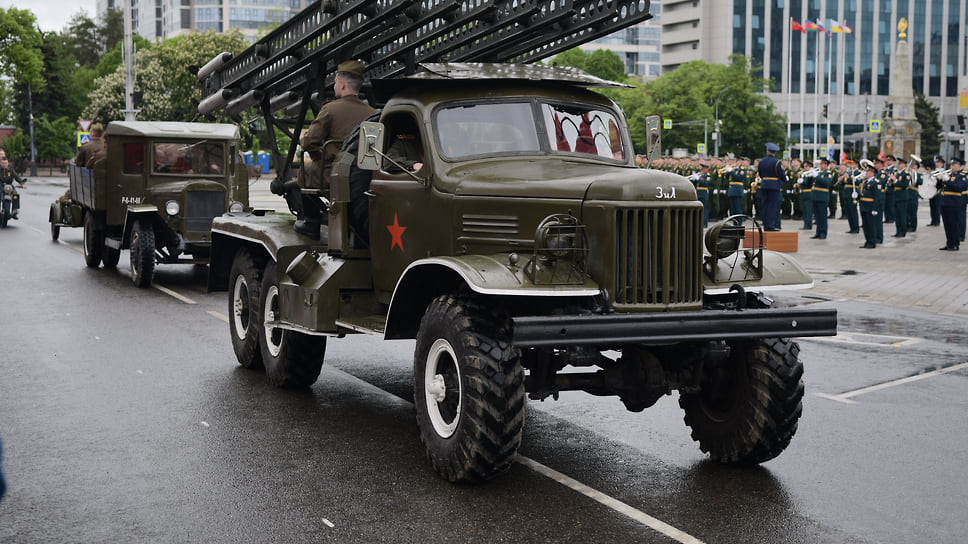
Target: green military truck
<point x="527" y="255"/>
<point x="154" y="194"/>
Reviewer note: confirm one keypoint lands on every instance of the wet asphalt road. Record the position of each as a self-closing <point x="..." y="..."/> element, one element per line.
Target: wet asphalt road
<point x="124" y="418"/>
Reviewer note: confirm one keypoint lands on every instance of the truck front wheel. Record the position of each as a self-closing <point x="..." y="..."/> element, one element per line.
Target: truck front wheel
<point x="292" y="359"/>
<point x="747" y="409"/>
<point x="142" y="253"/>
<point x="468" y="390"/>
<point x="93" y="241"/>
<point x="245" y="281"/>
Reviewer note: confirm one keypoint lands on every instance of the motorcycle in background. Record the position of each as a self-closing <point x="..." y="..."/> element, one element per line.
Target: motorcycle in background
<point x="7" y="207"/>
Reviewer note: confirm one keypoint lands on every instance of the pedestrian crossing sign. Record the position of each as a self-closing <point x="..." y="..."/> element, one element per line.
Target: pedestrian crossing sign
<point x="83" y="138"/>
<point x="875" y="125"/>
<point x="701" y="149"/>
<point x="667" y="123"/>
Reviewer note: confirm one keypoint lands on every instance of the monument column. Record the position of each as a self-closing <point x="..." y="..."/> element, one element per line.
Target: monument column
<point x="901" y="135"/>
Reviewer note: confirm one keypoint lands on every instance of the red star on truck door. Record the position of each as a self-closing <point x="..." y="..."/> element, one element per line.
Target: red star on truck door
<point x="396" y="233"/>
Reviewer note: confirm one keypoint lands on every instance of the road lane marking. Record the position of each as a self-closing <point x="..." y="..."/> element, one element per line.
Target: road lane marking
<point x="171" y="293"/>
<point x="615" y="504"/>
<point x="845" y="397"/>
<point x="218" y="315"/>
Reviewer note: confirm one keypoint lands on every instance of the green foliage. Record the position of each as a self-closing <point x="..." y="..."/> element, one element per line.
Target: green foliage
<point x="54" y="139"/>
<point x="163" y="77"/>
<point x="112" y="59"/>
<point x="749" y="118"/>
<point x="83" y="39"/>
<point x="20" y="42"/>
<point x="929" y="116"/>
<point x="15" y="145"/>
<point x="606" y="65"/>
<point x="112" y="29"/>
<point x="573" y="57"/>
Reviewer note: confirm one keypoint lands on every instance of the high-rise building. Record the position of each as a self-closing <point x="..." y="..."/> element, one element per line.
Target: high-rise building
<point x="847" y="74"/>
<point x="638" y="46"/>
<point x="157" y="19"/>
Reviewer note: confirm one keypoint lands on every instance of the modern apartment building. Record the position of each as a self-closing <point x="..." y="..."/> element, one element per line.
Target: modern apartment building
<point x="156" y="19"/>
<point x="849" y="73"/>
<point x="638" y="46"/>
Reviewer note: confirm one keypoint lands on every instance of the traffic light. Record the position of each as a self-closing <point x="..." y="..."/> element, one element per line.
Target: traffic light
<point x="825" y="111"/>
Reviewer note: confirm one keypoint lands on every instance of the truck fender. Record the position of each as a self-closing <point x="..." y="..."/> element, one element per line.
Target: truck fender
<point x="780" y="272"/>
<point x="142" y="212"/>
<point x="486" y="275"/>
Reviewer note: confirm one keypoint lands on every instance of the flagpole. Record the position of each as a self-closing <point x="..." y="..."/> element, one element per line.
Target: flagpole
<point x="828" y="77"/>
<point x="816" y="98"/>
<point x="803" y="88"/>
<point x="842" y="90"/>
<point x="789" y="88"/>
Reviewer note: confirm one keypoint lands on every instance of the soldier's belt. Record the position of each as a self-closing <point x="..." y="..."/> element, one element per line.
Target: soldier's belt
<point x="774" y="179"/>
<point x="740" y="183"/>
<point x="900" y="188"/>
<point x="820" y="189"/>
<point x="867" y="199"/>
<point x="702" y="188"/>
<point x="951" y="193"/>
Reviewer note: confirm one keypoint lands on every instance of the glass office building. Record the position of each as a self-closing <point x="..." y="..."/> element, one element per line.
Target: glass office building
<point x="638" y="46"/>
<point x="849" y="73"/>
<point x="157" y="19"/>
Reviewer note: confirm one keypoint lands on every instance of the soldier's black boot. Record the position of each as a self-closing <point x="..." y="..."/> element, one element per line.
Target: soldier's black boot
<point x="307" y="227"/>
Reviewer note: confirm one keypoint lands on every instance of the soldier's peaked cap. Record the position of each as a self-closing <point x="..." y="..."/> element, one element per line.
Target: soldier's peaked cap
<point x="770" y="146"/>
<point x="351" y="66"/>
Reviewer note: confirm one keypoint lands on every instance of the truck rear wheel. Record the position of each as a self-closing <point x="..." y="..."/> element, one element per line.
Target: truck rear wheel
<point x="142" y="253"/>
<point x="292" y="359"/>
<point x="93" y="241"/>
<point x="468" y="391"/>
<point x="245" y="281"/>
<point x="747" y="409"/>
<point x="111" y="257"/>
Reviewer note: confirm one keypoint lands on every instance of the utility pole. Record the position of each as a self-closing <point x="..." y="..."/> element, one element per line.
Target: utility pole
<point x="717" y="135"/>
<point x="33" y="148"/>
<point x="129" y="111"/>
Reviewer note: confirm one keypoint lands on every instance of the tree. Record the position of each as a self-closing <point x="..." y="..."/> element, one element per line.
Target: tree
<point x="163" y="77"/>
<point x="83" y="39"/>
<point x="112" y="28"/>
<point x="20" y="41"/>
<point x="606" y="64"/>
<point x="928" y="115"/>
<point x="749" y="118"/>
<point x="54" y="140"/>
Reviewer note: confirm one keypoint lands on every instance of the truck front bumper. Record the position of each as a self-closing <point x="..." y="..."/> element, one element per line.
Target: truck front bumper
<point x="671" y="327"/>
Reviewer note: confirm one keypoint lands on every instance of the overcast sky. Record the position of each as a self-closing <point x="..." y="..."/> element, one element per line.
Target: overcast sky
<point x="52" y="15"/>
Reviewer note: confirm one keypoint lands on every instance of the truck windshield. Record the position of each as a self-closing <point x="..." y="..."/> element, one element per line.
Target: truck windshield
<point x="188" y="158"/>
<point x="512" y="128"/>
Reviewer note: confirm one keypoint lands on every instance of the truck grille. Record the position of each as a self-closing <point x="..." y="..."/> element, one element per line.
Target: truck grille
<point x="658" y="257"/>
<point x="201" y="207"/>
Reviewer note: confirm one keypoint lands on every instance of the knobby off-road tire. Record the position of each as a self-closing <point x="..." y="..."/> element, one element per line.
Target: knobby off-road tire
<point x="747" y="410"/>
<point x="468" y="390"/>
<point x="245" y="282"/>
<point x="93" y="241"/>
<point x="54" y="232"/>
<point x="291" y="359"/>
<point x="142" y="253"/>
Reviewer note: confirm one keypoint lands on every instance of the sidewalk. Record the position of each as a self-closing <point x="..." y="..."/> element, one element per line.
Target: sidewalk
<point x="907" y="272"/>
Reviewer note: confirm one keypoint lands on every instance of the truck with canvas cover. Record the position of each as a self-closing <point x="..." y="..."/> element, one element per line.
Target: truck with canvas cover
<point x="154" y="193"/>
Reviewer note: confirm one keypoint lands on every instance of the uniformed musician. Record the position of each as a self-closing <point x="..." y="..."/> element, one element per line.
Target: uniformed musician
<point x="868" y="190"/>
<point x="951" y="204"/>
<point x="804" y="188"/>
<point x="848" y="196"/>
<point x="902" y="180"/>
<point x="820" y="197"/>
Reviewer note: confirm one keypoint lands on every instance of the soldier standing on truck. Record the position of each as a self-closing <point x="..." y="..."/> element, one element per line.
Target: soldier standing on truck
<point x="772" y="176"/>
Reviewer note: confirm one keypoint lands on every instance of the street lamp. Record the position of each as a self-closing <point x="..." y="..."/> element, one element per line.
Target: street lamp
<point x="718" y="134"/>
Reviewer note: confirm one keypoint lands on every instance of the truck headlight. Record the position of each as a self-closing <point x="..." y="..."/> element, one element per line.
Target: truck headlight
<point x="558" y="236"/>
<point x="725" y="238"/>
<point x="236" y="207"/>
<point x="172" y="207"/>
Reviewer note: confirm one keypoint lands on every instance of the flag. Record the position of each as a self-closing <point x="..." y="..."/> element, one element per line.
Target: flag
<point x="810" y="25"/>
<point x="797" y="26"/>
<point x="837" y="27"/>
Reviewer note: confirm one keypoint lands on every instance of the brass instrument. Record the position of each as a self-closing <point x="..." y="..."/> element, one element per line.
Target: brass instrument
<point x="941" y="174"/>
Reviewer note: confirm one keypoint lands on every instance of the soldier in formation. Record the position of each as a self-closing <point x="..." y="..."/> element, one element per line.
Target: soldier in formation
<point x="952" y="192"/>
<point x="868" y="213"/>
<point x="803" y="189"/>
<point x="823" y="181"/>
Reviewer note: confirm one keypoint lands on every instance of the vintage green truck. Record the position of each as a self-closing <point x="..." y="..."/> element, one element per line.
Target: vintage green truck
<point x="155" y="194"/>
<point x="527" y="255"/>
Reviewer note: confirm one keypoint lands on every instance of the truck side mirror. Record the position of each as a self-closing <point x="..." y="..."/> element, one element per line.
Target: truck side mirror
<point x="653" y="144"/>
<point x="371" y="143"/>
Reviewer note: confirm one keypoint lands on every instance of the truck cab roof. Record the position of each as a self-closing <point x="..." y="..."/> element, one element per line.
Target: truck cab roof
<point x="172" y="129"/>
